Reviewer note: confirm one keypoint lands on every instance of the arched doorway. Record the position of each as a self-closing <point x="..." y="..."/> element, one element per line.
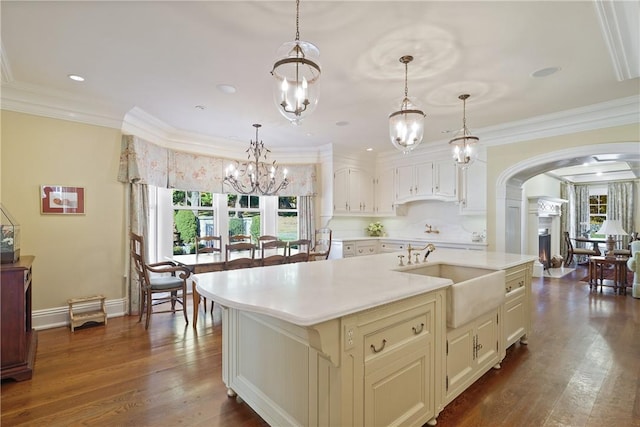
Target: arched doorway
<point x="510" y="217"/>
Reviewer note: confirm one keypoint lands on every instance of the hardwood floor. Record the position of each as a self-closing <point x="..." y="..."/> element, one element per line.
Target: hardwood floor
<point x="581" y="368"/>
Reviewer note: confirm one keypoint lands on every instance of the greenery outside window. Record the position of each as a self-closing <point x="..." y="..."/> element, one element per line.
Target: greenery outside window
<point x="597" y="213"/>
<point x="193" y="215"/>
<point x="244" y="215"/>
<point x="287" y="225"/>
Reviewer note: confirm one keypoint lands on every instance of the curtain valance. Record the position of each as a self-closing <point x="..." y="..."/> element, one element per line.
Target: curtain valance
<point x="146" y="163"/>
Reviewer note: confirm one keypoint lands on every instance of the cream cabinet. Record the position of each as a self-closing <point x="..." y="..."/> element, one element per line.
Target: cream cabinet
<point x="384" y="203"/>
<point x="471" y="350"/>
<point x="395" y="346"/>
<point x="353" y="191"/>
<point x="473" y="200"/>
<point x="351" y="248"/>
<point x="517" y="307"/>
<point x="426" y="180"/>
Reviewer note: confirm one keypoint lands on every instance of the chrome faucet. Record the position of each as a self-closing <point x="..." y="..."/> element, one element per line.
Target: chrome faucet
<point x="430" y="229"/>
<point x="430" y="248"/>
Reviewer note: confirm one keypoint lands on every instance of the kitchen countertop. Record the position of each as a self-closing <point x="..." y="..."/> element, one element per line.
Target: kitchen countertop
<point x="432" y="238"/>
<point x="313" y="292"/>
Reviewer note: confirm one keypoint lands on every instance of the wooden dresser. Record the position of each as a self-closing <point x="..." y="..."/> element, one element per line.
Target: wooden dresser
<point x="19" y="339"/>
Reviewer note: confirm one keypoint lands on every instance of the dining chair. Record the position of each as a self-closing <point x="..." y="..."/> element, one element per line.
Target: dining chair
<point x="239" y="238"/>
<point x="322" y="245"/>
<point x="302" y="247"/>
<point x="265" y="238"/>
<point x="204" y="245"/>
<point x="275" y="258"/>
<point x="241" y="261"/>
<point x="159" y="279"/>
<point x="208" y="244"/>
<point x="571" y="250"/>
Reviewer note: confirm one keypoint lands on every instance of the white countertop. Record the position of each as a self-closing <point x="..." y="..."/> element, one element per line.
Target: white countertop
<point x="313" y="292"/>
<point x="432" y="238"/>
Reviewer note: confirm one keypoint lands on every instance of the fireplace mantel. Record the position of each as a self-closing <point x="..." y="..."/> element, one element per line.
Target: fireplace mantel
<point x="544" y="212"/>
<point x="546" y="206"/>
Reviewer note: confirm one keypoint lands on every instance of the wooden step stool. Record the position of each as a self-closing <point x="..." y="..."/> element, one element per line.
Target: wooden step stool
<point x="82" y="317"/>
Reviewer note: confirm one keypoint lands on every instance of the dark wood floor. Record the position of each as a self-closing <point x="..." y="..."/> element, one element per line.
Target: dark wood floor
<point x="581" y="368"/>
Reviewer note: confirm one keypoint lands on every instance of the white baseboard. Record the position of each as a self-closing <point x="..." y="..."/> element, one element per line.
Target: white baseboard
<point x="59" y="316"/>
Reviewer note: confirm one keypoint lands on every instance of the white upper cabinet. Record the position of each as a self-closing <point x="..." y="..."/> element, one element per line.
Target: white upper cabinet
<point x="473" y="200"/>
<point x="353" y="191"/>
<point x="384" y="194"/>
<point x="426" y="180"/>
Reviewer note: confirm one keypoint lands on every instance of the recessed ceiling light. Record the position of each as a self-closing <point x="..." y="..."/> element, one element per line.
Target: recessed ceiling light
<point x="76" y="78"/>
<point x="224" y="88"/>
<point x="342" y="123"/>
<point x="544" y="72"/>
<point x="369" y="149"/>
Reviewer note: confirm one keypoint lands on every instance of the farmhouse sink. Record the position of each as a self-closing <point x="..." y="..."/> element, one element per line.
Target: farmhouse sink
<point x="474" y="292"/>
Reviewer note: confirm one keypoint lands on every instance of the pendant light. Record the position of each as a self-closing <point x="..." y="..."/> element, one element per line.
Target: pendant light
<point x="463" y="143"/>
<point x="296" y="87"/>
<point x="406" y="126"/>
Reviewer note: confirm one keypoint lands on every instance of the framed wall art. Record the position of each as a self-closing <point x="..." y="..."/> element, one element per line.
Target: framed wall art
<point x="56" y="199"/>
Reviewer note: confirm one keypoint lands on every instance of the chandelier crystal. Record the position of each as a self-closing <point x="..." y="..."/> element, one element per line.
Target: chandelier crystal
<point x="255" y="176"/>
<point x="406" y="126"/>
<point x="463" y="143"/>
<point x="297" y="74"/>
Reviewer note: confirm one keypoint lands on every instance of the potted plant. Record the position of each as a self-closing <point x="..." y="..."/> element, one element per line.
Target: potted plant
<point x="375" y="229"/>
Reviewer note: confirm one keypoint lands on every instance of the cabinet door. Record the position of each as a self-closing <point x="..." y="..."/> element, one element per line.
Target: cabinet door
<point x="404" y="182"/>
<point x="460" y="357"/>
<point x="384" y="192"/>
<point x="474" y="188"/>
<point x="487" y="339"/>
<point x="400" y="393"/>
<point x="360" y="191"/>
<point x="341" y="191"/>
<point x="515" y="319"/>
<point x="424" y="184"/>
<point x="446" y="179"/>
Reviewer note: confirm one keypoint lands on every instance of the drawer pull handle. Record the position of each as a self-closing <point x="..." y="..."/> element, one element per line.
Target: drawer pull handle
<point x="416" y="331"/>
<point x="375" y="350"/>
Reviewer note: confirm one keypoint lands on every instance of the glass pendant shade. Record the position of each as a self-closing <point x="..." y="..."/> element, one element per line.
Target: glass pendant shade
<point x="406" y="126"/>
<point x="464" y="144"/>
<point x="296" y="85"/>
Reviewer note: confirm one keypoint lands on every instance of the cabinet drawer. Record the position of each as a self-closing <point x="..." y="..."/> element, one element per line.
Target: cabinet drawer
<point x="366" y="248"/>
<point x="514" y="280"/>
<point x="392" y="247"/>
<point x="348" y="249"/>
<point x="385" y="340"/>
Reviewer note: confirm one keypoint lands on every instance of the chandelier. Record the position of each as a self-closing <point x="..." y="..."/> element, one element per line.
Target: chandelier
<point x="406" y="126"/>
<point x="296" y="88"/>
<point x="255" y="176"/>
<point x="464" y="144"/>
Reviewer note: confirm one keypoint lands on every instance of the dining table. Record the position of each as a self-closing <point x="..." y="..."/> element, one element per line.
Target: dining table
<point x="209" y="262"/>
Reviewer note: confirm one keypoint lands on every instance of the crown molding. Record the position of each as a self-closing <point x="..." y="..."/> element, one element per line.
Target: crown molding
<point x="620" y="25"/>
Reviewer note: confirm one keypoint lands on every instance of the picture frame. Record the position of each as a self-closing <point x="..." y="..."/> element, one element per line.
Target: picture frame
<point x="58" y="199"/>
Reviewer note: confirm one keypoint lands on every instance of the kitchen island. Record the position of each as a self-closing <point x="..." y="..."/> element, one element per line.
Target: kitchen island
<point x="358" y="341"/>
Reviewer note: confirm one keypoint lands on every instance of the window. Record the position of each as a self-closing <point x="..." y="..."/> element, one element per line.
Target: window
<point x="597" y="210"/>
<point x="287" y="225"/>
<point x="244" y="215"/>
<point x="193" y="215"/>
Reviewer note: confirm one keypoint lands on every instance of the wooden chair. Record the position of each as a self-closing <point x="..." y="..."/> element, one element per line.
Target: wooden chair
<point x="210" y="244"/>
<point x="264" y="239"/>
<point x="150" y="284"/>
<point x="239" y="238"/>
<point x="242" y="262"/>
<point x="303" y="247"/>
<point x="626" y="252"/>
<point x="276" y="258"/>
<point x="322" y="244"/>
<point x="571" y="251"/>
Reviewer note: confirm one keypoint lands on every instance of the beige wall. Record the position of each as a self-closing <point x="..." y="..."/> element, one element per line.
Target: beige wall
<point x="76" y="255"/>
<point x="501" y="157"/>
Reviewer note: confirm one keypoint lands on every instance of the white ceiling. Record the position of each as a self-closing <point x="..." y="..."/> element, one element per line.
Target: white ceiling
<point x="166" y="58"/>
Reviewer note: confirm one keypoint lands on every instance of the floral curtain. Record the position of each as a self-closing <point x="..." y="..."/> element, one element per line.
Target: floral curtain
<point x="567" y="212"/>
<point x="139" y="224"/>
<point x="621" y="206"/>
<point x="146" y="163"/>
<point x="306" y="218"/>
<point x="581" y="224"/>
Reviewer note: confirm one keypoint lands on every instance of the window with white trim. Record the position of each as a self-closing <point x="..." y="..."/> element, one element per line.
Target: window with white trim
<point x="193" y="215"/>
<point x="287" y="221"/>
